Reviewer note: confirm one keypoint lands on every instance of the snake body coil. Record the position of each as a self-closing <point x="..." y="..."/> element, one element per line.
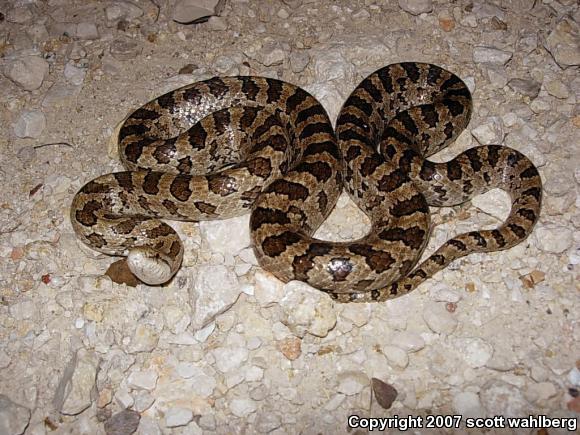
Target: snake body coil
<point x="218" y="148"/>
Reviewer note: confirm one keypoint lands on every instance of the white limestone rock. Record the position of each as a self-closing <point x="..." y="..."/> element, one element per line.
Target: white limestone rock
<point x="266" y="422"/>
<point x="563" y="42"/>
<point x="299" y="60"/>
<point x="553" y="238"/>
<point x="500" y="398"/>
<point x="352" y="382"/>
<point x="527" y="87"/>
<point x="123" y="10"/>
<point x="28" y="72"/>
<point x="491" y="55"/>
<point x="441" y="292"/>
<point x="307" y="310"/>
<point x="188" y="11"/>
<point x="204" y="383"/>
<point x="176" y="318"/>
<point x="30" y="124"/>
<point x="229" y="236"/>
<point x="439" y="320"/>
<point x="416" y="7"/>
<point x="272" y="53"/>
<point x="496" y="203"/>
<point x="176" y="417"/>
<point x="215" y="290"/>
<point x="87" y="31"/>
<point x="229" y="358"/>
<point x="74" y="74"/>
<point x="143" y="379"/>
<point x="73" y="394"/>
<point x="242" y="407"/>
<point x="408" y="341"/>
<point x="475" y="351"/>
<point x="144" y="339"/>
<point x="489" y="133"/>
<point x="467" y="404"/>
<point x="396" y="356"/>
<point x="14" y="418"/>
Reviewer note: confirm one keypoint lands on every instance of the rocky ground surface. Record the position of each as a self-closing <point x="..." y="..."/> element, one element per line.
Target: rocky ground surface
<point x="226" y="348"/>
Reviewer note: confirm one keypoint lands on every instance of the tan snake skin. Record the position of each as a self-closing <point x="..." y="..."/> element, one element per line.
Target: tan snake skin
<point x="218" y="148"/>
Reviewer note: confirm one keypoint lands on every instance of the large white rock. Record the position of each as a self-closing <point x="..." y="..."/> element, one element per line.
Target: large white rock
<point x="307" y="310"/>
<point x="73" y="394"/>
<point x="228" y="236"/>
<point x="553" y="238"/>
<point x="563" y="43"/>
<point x="215" y="290"/>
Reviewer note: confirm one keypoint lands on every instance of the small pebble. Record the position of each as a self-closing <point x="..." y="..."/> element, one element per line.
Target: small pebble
<point x="416" y="7"/>
<point x="527" y="87"/>
<point x="351" y="382"/>
<point x="491" y="55"/>
<point x="409" y="341"/>
<point x="553" y="238"/>
<point x="188" y="11"/>
<point x="122" y="49"/>
<point x="31" y="123"/>
<point x="476" y="351"/>
<point x="490" y="133"/>
<point x="242" y="407"/>
<point x="217" y="23"/>
<point x="143" y="379"/>
<point x="467" y="404"/>
<point x="27" y="72"/>
<point x="290" y="347"/>
<point x="384" y="393"/>
<point x="558" y="89"/>
<point x="87" y="31"/>
<point x="176" y="417"/>
<point x="299" y="60"/>
<point x="439" y="319"/>
<point x="396" y="356"/>
<point x="123" y="423"/>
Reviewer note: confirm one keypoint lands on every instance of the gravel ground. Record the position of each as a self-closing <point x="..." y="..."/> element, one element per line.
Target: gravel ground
<point x="226" y="348"/>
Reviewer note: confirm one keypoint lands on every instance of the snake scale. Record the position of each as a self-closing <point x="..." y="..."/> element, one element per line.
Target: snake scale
<point x="229" y="145"/>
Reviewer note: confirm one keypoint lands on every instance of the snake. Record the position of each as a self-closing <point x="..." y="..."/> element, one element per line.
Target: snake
<point x="229" y="146"/>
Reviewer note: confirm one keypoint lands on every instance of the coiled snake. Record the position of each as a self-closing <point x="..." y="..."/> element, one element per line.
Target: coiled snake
<point x="222" y="147"/>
